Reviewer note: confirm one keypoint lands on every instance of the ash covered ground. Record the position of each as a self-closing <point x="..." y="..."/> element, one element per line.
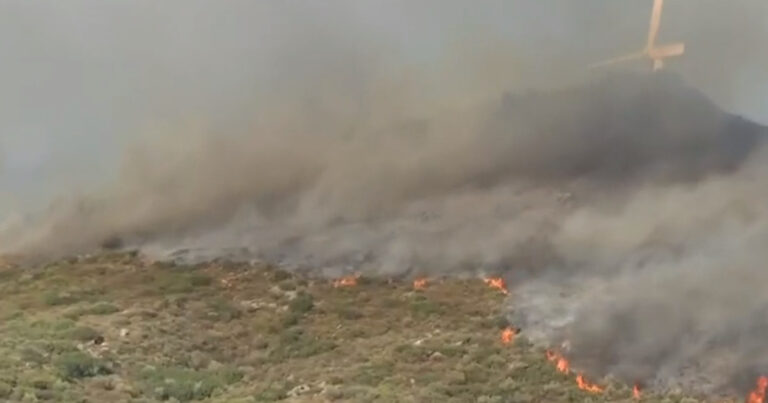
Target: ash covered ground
<point x="627" y="214"/>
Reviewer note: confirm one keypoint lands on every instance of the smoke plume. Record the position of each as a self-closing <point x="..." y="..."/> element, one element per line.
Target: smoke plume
<point x="626" y="210"/>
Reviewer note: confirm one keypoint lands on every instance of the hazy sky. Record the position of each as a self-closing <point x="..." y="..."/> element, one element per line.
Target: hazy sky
<point x="79" y="79"/>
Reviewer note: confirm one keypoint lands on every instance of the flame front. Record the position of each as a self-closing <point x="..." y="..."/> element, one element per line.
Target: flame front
<point x="563" y="366"/>
<point x="347" y="281"/>
<point x="585" y="385"/>
<point x="758" y="394"/>
<point x="420" y="283"/>
<point x="561" y="363"/>
<point x="636" y="392"/>
<point x="497" y="282"/>
<point x="508" y="335"/>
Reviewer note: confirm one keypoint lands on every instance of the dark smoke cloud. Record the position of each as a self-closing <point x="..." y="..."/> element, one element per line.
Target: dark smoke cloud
<point x="626" y="210"/>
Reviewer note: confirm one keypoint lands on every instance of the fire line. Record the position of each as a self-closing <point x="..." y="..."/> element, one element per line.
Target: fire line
<point x="757" y="395"/>
<point x="563" y="366"/>
<point x="560" y="362"/>
<point x="587" y="386"/>
<point x="497" y="282"/>
<point x="508" y="335"/>
<point x="346" y="281"/>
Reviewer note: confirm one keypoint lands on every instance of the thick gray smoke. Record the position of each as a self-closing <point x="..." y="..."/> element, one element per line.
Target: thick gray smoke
<point x="626" y="210"/>
<point x="629" y="226"/>
<point x="664" y="289"/>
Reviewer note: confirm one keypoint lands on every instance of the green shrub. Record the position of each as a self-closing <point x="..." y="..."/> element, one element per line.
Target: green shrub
<point x="55" y="298"/>
<point x="200" y="280"/>
<point x="102" y="308"/>
<point x="271" y="393"/>
<point x="5" y="390"/>
<point x="294" y="343"/>
<point x="83" y="333"/>
<point x="423" y="308"/>
<point x="349" y="313"/>
<point x="290" y="319"/>
<point x="221" y="309"/>
<point x="78" y="365"/>
<point x="280" y="275"/>
<point x="373" y="374"/>
<point x="32" y="355"/>
<point x="302" y="304"/>
<point x="184" y="384"/>
<point x="179" y="283"/>
<point x="287" y="285"/>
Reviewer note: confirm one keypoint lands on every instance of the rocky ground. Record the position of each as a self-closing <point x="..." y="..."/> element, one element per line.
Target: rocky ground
<point x="115" y="328"/>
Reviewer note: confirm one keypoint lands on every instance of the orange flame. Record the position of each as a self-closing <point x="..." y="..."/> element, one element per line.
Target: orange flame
<point x="420" y="283"/>
<point x="508" y="335"/>
<point x="758" y="394"/>
<point x="636" y="392"/>
<point x="347" y="281"/>
<point x="497" y="282"/>
<point x="561" y="363"/>
<point x="585" y="385"/>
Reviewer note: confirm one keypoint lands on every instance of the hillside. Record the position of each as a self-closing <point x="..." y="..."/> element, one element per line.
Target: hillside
<point x="623" y="126"/>
<point x="115" y="328"/>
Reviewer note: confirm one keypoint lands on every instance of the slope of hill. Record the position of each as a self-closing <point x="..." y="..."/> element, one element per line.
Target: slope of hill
<point x="623" y="126"/>
<point x="115" y="328"/>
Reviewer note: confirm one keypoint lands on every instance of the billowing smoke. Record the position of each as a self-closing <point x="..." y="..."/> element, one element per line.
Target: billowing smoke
<point x="663" y="289"/>
<point x="630" y="225"/>
<point x="626" y="210"/>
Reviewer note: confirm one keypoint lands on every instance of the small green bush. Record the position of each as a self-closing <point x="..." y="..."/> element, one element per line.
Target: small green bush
<point x="83" y="333"/>
<point x="290" y="319"/>
<point x="349" y="313"/>
<point x="424" y="308"/>
<point x="287" y="285"/>
<point x="31" y="355"/>
<point x="271" y="393"/>
<point x="102" y="308"/>
<point x="373" y="374"/>
<point x="280" y="275"/>
<point x="5" y="390"/>
<point x="200" y="280"/>
<point x="294" y="343"/>
<point x="302" y="304"/>
<point x="184" y="384"/>
<point x="221" y="309"/>
<point x="78" y="365"/>
<point x="54" y="298"/>
<point x="180" y="283"/>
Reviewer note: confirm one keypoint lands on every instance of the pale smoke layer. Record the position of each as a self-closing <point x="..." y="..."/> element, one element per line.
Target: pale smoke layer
<point x="626" y="226"/>
<point x="628" y="215"/>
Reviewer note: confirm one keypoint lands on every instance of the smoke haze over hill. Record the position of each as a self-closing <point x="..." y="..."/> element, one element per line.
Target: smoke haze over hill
<point x="626" y="209"/>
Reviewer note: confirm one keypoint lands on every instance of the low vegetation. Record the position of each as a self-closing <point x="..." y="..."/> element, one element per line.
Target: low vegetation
<point x="115" y="329"/>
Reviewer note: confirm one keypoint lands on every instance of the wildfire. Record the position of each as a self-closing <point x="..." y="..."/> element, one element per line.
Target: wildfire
<point x="508" y="335"/>
<point x="497" y="282"/>
<point x="420" y="283"/>
<point x="563" y="366"/>
<point x="346" y="281"/>
<point x="758" y="394"/>
<point x="636" y="392"/>
<point x="585" y="385"/>
<point x="560" y="362"/>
